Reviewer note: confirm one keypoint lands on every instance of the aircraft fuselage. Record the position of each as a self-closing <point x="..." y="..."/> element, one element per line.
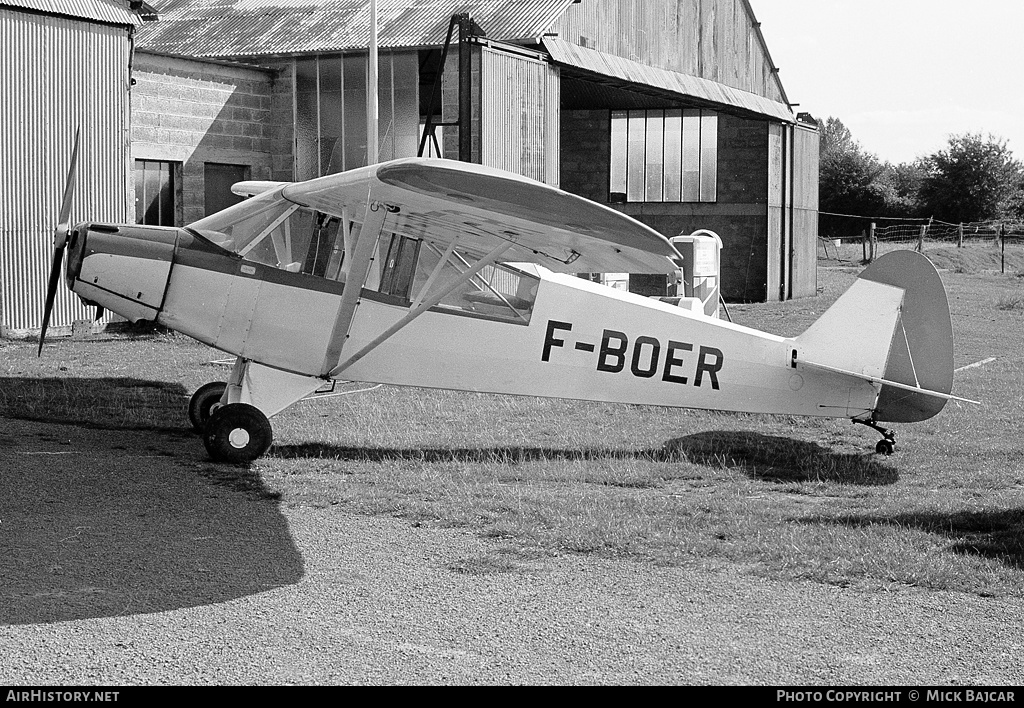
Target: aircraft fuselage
<point x="571" y="339"/>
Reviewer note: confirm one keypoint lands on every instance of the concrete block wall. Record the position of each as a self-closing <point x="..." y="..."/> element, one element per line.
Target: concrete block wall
<point x="192" y="112"/>
<point x="586" y="140"/>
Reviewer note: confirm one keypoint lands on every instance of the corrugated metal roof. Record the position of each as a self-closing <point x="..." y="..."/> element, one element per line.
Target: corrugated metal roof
<point x="116" y="12"/>
<point x="235" y="28"/>
<point x="632" y="72"/>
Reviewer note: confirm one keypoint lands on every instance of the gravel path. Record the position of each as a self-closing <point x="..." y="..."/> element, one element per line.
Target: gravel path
<point x="123" y="561"/>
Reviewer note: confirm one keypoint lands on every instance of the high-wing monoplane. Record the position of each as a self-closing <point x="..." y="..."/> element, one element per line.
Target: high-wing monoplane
<point x="443" y="274"/>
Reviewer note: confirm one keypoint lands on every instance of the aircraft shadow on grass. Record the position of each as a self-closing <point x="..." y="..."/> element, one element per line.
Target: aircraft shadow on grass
<point x="114" y="523"/>
<point x="774" y="458"/>
<point x="994" y="534"/>
<point x="115" y="403"/>
<point x="770" y="458"/>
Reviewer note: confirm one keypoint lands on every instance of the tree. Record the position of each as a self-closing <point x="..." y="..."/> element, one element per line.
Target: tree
<point x="1013" y="207"/>
<point x="903" y="184"/>
<point x="848" y="178"/>
<point x="973" y="179"/>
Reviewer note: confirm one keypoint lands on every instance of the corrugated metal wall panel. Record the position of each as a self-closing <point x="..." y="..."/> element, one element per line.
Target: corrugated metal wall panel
<point x="59" y="73"/>
<point x="519" y="115"/>
<point x="805" y="211"/>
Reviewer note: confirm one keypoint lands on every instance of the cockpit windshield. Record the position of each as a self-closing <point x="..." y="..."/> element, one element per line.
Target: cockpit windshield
<point x="235" y="227"/>
<point x="271" y="230"/>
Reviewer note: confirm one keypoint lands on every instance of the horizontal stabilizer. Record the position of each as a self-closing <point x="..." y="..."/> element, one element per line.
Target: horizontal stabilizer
<point x="886" y="382"/>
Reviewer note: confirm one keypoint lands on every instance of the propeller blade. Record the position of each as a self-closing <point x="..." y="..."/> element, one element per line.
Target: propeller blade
<point x="60" y="239"/>
<point x="51" y="293"/>
<point x="61" y="234"/>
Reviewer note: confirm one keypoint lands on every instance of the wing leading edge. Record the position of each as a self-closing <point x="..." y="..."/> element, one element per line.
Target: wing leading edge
<point x="443" y="201"/>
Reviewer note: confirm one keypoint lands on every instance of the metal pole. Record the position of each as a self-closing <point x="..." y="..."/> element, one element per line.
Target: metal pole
<point x="465" y="89"/>
<point x="372" y="111"/>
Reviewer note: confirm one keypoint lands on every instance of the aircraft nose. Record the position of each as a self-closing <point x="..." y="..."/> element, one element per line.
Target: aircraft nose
<point x="122" y="268"/>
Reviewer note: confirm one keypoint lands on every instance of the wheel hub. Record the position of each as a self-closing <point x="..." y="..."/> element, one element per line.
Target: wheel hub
<point x="239" y="438"/>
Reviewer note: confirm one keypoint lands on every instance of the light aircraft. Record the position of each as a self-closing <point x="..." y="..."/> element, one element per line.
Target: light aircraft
<point x="443" y="274"/>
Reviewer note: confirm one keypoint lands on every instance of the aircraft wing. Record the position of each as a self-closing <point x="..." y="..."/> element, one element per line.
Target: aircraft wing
<point x="444" y="200"/>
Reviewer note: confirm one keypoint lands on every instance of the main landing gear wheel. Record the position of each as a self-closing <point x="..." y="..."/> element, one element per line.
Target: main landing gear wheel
<point x="204" y="402"/>
<point x="237" y="433"/>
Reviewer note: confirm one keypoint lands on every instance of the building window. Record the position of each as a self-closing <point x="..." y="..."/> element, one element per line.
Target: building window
<point x="330" y="111"/>
<point x="666" y="155"/>
<point x="157" y="193"/>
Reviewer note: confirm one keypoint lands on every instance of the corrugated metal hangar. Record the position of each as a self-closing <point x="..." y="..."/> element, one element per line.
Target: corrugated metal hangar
<point x="672" y="112"/>
<point x="63" y="64"/>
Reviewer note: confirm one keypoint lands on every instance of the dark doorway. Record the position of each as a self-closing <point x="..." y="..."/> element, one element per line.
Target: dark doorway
<point x="218" y="178"/>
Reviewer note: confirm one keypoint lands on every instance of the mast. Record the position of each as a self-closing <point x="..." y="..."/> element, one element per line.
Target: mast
<point x="372" y="111"/>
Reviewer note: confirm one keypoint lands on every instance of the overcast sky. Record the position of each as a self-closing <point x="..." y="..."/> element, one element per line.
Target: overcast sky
<point x="903" y="75"/>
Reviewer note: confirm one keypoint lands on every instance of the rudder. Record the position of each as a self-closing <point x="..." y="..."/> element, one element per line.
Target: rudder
<point x="892" y="327"/>
<point x="922" y="347"/>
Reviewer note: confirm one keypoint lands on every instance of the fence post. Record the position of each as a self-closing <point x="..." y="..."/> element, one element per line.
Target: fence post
<point x="960" y="235"/>
<point x="864" y="244"/>
<point x="874" y="243"/>
<point x="920" y="239"/>
<point x="1002" y="246"/>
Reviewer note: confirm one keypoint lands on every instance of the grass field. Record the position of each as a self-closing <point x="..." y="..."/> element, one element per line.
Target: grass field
<point x="777" y="496"/>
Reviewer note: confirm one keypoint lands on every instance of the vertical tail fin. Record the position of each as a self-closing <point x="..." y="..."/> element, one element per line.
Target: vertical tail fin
<point x="892" y="326"/>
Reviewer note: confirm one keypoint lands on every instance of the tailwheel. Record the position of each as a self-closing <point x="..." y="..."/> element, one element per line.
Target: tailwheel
<point x="237" y="433"/>
<point x="204" y="402"/>
<point x="885" y="446"/>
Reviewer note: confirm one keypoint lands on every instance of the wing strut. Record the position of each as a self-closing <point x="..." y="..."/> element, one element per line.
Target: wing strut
<point x="425" y="304"/>
<point x="356" y="271"/>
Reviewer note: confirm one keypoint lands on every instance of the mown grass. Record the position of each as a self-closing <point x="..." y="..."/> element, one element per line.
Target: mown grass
<point x="777" y="496"/>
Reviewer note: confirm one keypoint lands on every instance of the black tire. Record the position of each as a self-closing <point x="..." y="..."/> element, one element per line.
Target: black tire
<point x="237" y="433"/>
<point x="885" y="447"/>
<point x="201" y="405"/>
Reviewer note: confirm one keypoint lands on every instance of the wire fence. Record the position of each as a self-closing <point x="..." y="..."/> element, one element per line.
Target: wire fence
<point x="923" y="235"/>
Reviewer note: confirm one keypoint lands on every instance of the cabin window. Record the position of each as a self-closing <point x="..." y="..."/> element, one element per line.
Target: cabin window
<point x="668" y="155"/>
<point x="303" y="241"/>
<point x="326" y="248"/>
<point x="399" y="266"/>
<point x="502" y="291"/>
